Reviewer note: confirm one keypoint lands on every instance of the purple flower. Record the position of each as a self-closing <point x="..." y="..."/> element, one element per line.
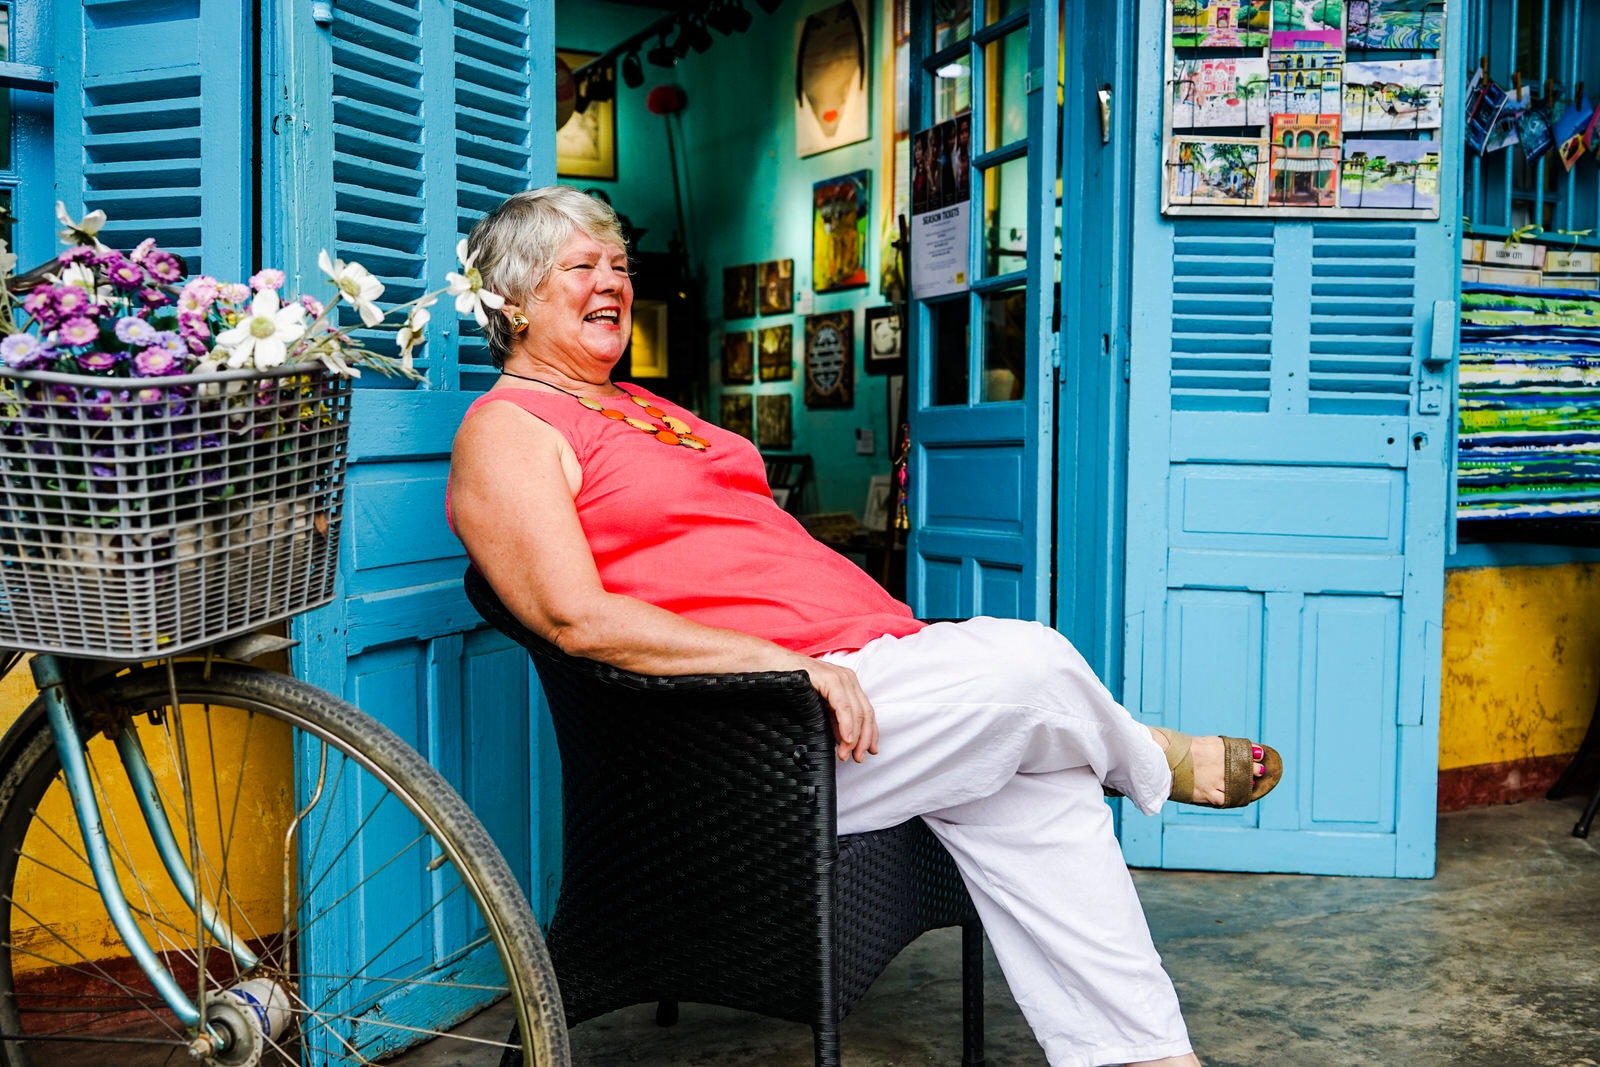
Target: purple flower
<point x="41" y="304"/>
<point x="151" y="395"/>
<point x="312" y="305"/>
<point x="24" y="351"/>
<point x="168" y="340"/>
<point x="155" y="363"/>
<point x="98" y="405"/>
<point x="77" y="332"/>
<point x="163" y="267"/>
<point x="154" y="298"/>
<point x="71" y="300"/>
<point x="124" y="276"/>
<point x="76" y="254"/>
<point x="98" y="362"/>
<point x="192" y="324"/>
<point x="134" y="331"/>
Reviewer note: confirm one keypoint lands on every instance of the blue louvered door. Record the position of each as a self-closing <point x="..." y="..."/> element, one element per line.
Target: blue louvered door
<point x="982" y="388"/>
<point x="1289" y="458"/>
<point x="392" y="126"/>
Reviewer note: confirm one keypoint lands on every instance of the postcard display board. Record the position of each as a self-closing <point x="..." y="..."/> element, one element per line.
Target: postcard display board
<point x="1303" y="108"/>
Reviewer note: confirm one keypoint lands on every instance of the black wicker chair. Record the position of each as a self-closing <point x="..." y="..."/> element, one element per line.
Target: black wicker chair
<point x="700" y="860"/>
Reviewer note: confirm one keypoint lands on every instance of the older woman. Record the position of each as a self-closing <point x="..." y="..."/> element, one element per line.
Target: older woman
<point x="626" y="529"/>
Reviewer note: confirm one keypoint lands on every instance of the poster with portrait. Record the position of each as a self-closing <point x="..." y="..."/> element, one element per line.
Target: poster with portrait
<point x="830" y="360"/>
<point x="775" y="353"/>
<point x="839" y="213"/>
<point x="830" y="78"/>
<point x="739" y="291"/>
<point x="738" y="357"/>
<point x="737" y="415"/>
<point x="775" y="281"/>
<point x="775" y="422"/>
<point x="883" y="330"/>
<point x="586" y="140"/>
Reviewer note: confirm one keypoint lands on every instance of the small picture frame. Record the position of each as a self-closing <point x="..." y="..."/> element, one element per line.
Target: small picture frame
<point x="875" y="512"/>
<point x="586" y="144"/>
<point x="739" y="291"/>
<point x="775" y="422"/>
<point x="738" y="357"/>
<point x="830" y="360"/>
<point x="738" y="415"/>
<point x="776" y="353"/>
<point x="775" y="279"/>
<point x="885" y="347"/>
<point x="647" y="351"/>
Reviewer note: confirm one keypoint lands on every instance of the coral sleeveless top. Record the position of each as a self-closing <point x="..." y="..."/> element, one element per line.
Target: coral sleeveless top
<point x="698" y="533"/>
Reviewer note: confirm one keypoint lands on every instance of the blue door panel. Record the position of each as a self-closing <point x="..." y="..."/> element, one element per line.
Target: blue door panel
<point x="495" y="754"/>
<point x="1349" y="659"/>
<point x="999" y="591"/>
<point x="936" y="587"/>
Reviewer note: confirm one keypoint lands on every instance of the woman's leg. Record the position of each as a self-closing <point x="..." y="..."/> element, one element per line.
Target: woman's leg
<point x="999" y="735"/>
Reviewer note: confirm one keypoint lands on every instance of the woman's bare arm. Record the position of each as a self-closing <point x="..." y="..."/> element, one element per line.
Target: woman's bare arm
<point x="513" y="480"/>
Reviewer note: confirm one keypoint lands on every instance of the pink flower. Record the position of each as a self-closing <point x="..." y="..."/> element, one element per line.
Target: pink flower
<point x="163" y="267"/>
<point x="154" y="298"/>
<point x="199" y="294"/>
<point x="192" y="324"/>
<point x="77" y="332"/>
<point x="71" y="300"/>
<point x="312" y="305"/>
<point x="144" y="249"/>
<point x="124" y="275"/>
<point x="270" y="278"/>
<point x="233" y="293"/>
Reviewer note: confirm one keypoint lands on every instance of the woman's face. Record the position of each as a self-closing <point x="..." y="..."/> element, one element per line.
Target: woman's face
<point x="584" y="310"/>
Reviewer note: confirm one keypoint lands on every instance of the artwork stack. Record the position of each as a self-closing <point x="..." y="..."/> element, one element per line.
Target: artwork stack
<point x="1269" y="108"/>
<point x="1530" y="420"/>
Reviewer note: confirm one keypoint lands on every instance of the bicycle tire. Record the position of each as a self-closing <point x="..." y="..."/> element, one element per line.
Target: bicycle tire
<point x="355" y="1022"/>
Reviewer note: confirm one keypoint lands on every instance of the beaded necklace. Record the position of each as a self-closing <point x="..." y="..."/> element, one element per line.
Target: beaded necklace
<point x="674" y="432"/>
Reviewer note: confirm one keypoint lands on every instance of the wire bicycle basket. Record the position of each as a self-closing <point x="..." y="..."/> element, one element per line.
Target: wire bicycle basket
<point x="147" y="516"/>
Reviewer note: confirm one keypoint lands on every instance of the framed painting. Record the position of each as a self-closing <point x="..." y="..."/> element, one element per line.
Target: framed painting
<point x="775" y="422"/>
<point x="775" y="355"/>
<point x="884" y="334"/>
<point x="737" y="416"/>
<point x="739" y="291"/>
<point x="586" y="143"/>
<point x="830" y="360"/>
<point x="647" y="351"/>
<point x="738" y="357"/>
<point x="839" y="210"/>
<point x="775" y="279"/>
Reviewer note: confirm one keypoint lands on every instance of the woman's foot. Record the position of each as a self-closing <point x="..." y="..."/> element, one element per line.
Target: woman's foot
<point x="1218" y="772"/>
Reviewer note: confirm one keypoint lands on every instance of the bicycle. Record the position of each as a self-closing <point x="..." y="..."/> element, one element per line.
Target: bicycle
<point x="381" y="919"/>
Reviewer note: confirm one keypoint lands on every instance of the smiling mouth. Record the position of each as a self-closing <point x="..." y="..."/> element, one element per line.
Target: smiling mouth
<point x="606" y="316"/>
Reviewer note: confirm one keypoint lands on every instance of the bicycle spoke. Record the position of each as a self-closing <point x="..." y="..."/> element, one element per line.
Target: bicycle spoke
<point x="376" y="956"/>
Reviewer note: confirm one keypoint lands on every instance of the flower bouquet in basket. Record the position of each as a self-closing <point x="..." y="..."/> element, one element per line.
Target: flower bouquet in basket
<point x="172" y="448"/>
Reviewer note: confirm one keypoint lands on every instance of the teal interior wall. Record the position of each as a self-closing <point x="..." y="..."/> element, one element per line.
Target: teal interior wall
<point x="747" y="200"/>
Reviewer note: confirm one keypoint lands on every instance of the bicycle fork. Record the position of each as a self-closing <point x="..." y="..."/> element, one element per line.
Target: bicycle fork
<point x="228" y="1022"/>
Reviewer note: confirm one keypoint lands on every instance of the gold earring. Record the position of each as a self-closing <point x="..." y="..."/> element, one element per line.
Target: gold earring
<point x="519" y="322"/>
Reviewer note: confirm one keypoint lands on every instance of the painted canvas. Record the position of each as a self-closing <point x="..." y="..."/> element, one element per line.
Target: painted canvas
<point x="830" y="360"/>
<point x="830" y="79"/>
<point x="1322" y="15"/>
<point x="737" y="415"/>
<point x="1216" y="172"/>
<point x="1390" y="174"/>
<point x="739" y="291"/>
<point x="1401" y="25"/>
<point x="1222" y="91"/>
<point x="1305" y="71"/>
<point x="1305" y="161"/>
<point x="776" y="281"/>
<point x="775" y="353"/>
<point x="738" y="357"/>
<point x="839" y="214"/>
<point x="1221" y="24"/>
<point x="1404" y="94"/>
<point x="775" y="422"/>
<point x="586" y="140"/>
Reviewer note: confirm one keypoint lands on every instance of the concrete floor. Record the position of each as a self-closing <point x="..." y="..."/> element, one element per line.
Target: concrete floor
<point x="1493" y="963"/>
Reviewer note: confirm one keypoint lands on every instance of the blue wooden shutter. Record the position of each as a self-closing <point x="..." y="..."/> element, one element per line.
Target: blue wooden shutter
<point x="1289" y="438"/>
<point x="151" y="126"/>
<point x="396" y="124"/>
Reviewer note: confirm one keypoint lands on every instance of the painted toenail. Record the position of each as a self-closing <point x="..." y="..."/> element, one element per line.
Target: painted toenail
<point x="1257" y="753"/>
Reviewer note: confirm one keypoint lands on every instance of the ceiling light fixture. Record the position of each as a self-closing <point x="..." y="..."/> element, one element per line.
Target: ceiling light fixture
<point x="662" y="55"/>
<point x="632" y="70"/>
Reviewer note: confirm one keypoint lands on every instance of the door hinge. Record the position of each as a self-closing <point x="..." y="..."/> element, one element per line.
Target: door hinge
<point x="1033" y="80"/>
<point x="1055" y="351"/>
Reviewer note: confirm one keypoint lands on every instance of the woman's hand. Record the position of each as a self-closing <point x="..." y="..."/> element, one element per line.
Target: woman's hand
<point x="854" y="723"/>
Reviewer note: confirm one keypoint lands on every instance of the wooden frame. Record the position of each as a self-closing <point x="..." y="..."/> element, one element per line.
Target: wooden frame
<point x="586" y="146"/>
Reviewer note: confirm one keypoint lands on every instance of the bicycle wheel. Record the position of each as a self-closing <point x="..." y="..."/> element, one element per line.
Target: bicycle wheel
<point x="385" y="926"/>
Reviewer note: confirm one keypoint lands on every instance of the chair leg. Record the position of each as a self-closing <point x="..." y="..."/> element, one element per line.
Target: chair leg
<point x="667" y="1013"/>
<point x="1582" y="828"/>
<point x="827" y="1045"/>
<point x="972" y="994"/>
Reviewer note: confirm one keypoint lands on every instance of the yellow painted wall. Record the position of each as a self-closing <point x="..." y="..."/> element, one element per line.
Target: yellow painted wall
<point x="52" y="896"/>
<point x="1521" y="662"/>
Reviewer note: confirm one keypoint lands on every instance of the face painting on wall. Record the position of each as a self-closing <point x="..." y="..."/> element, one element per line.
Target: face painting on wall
<point x="830" y="79"/>
<point x="839" y="232"/>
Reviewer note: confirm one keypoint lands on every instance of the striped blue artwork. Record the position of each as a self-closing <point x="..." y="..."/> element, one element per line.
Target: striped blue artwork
<point x="1530" y="403"/>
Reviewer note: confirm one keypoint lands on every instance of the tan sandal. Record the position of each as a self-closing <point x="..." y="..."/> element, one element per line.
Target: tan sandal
<point x="1240" y="785"/>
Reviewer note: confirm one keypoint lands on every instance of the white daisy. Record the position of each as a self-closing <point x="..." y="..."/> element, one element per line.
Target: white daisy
<point x="262" y="338"/>
<point x="358" y="286"/>
<point x="467" y="288"/>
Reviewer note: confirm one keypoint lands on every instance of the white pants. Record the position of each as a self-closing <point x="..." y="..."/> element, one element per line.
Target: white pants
<point x="999" y="735"/>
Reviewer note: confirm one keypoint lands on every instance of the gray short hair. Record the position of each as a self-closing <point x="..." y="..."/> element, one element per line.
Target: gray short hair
<point x="515" y="246"/>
